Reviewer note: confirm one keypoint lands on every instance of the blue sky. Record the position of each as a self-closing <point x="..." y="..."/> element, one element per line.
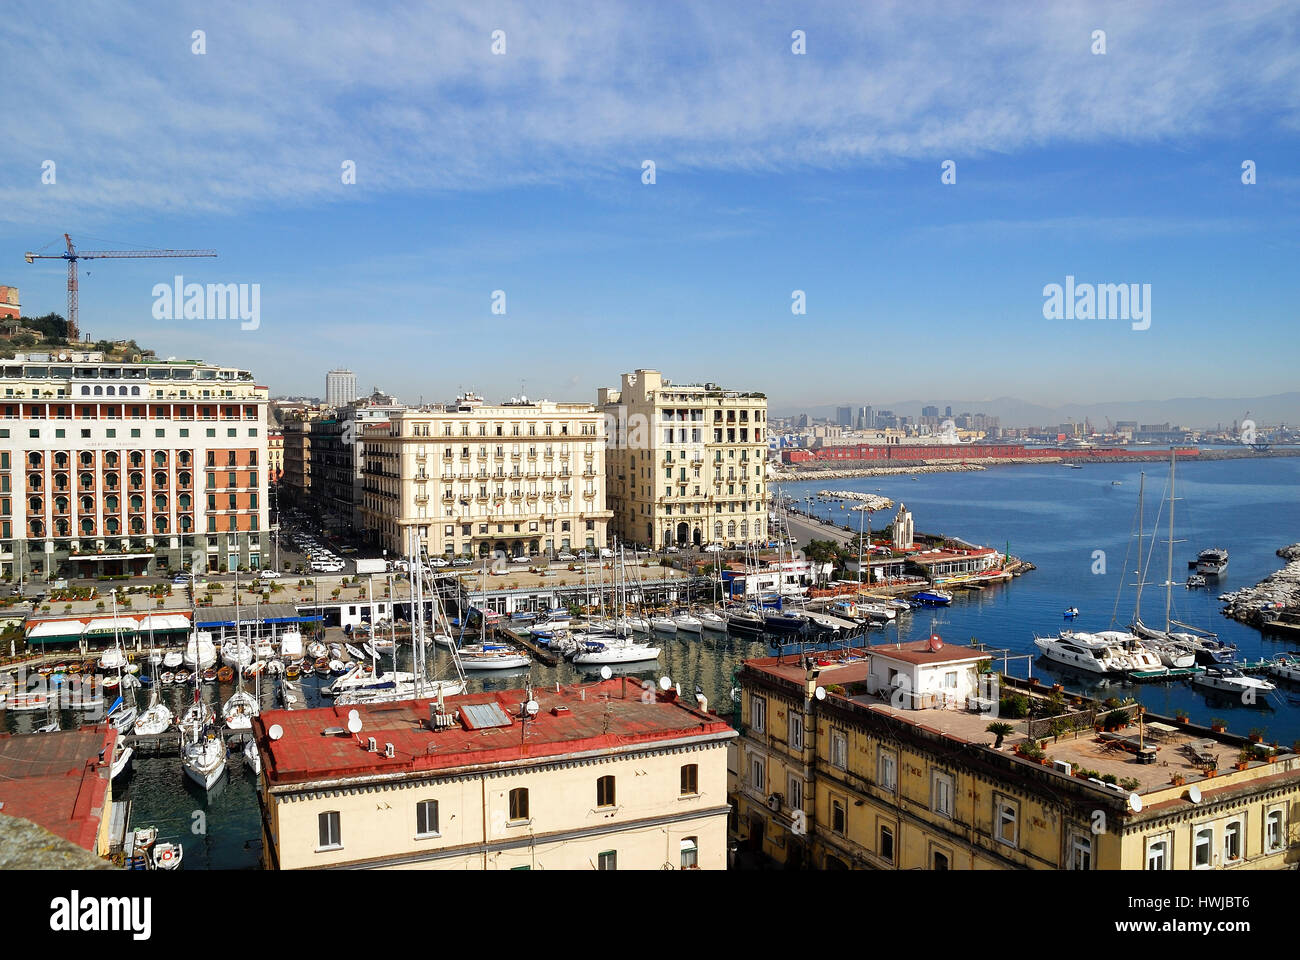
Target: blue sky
<point x="775" y="172"/>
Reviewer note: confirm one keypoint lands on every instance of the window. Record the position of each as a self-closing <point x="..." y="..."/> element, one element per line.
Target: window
<point x="757" y="713"/>
<point x="941" y="794"/>
<point x="1232" y="841"/>
<point x="1158" y="854"/>
<point x="886" y="844"/>
<point x="1080" y="851"/>
<point x="1006" y="822"/>
<point x="328" y="823"/>
<point x="839" y="750"/>
<point x="796" y="731"/>
<point x="426" y="818"/>
<point x="690" y="779"/>
<point x="839" y="816"/>
<point x="607" y="860"/>
<point x="1273" y="831"/>
<point x="519" y="803"/>
<point x="887" y="770"/>
<point x="605" y="792"/>
<point x="757" y="773"/>
<point x="794" y="791"/>
<point x="1203" y="849"/>
<point x="939" y="861"/>
<point x="690" y="853"/>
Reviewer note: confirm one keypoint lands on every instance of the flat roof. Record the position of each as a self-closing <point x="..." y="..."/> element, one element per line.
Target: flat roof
<point x="56" y="780"/>
<point x="599" y="717"/>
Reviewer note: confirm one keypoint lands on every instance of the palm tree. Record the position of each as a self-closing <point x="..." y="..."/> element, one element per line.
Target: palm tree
<point x="1001" y="730"/>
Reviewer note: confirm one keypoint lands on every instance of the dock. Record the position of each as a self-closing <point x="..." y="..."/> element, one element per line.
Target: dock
<point x="1160" y="676"/>
<point x="539" y="653"/>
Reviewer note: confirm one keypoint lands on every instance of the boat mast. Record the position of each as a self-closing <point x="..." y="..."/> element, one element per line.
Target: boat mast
<point x="1169" y="580"/>
<point x="1137" y="603"/>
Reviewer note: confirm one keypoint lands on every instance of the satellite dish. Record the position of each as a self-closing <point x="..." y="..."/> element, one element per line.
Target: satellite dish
<point x="276" y="731"/>
<point x="820" y="693"/>
<point x="353" y="715"/>
<point x="1194" y="793"/>
<point x="532" y="707"/>
<point x="1135" y="803"/>
<point x="664" y="683"/>
<point x="606" y="673"/>
<point x="936" y="644"/>
<point x="354" y="724"/>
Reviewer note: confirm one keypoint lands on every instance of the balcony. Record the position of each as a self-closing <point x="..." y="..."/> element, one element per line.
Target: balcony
<point x="421" y="498"/>
<point x="548" y="495"/>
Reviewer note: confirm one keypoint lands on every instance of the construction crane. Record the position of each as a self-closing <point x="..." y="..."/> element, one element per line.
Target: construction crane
<point x="73" y="255"/>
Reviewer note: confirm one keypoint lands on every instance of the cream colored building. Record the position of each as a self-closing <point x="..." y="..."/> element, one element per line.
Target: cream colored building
<point x="686" y="464"/>
<point x="603" y="776"/>
<point x="523" y="477"/>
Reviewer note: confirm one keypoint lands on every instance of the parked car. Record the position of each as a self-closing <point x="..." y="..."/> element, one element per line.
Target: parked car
<point x="566" y="556"/>
<point x="461" y="562"/>
<point x="269" y="574"/>
<point x="585" y="555"/>
<point x="522" y="558"/>
<point x="606" y="553"/>
<point x="713" y="548"/>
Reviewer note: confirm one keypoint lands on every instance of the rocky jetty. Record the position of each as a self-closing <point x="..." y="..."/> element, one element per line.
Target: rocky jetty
<point x="1273" y="596"/>
<point x="870" y="501"/>
<point x="815" y="473"/>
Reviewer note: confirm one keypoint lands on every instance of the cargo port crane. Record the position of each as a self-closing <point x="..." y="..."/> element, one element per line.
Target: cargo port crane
<point x="73" y="255"/>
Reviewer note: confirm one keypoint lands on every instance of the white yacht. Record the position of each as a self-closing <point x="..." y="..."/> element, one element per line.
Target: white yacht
<point x="1227" y="679"/>
<point x="492" y="656"/>
<point x="121" y="758"/>
<point x="663" y="625"/>
<point x="252" y="757"/>
<point x="1286" y="666"/>
<point x="200" y="652"/>
<point x="712" y="621"/>
<point x="236" y="654"/>
<point x="112" y="659"/>
<point x="614" y="651"/>
<point x="172" y="659"/>
<point x="1212" y="562"/>
<point x="290" y="644"/>
<point x="157" y="719"/>
<point x="1136" y="656"/>
<point x="240" y="710"/>
<point x="205" y="761"/>
<point x="687" y="622"/>
<point x="1094" y="659"/>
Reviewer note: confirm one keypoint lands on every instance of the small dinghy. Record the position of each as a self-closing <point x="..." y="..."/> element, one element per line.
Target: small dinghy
<point x="167" y="678"/>
<point x="1071" y="613"/>
<point x="210" y="675"/>
<point x="225" y="674"/>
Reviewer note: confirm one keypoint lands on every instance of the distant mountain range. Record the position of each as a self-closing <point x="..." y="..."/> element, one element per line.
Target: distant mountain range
<point x="1203" y="413"/>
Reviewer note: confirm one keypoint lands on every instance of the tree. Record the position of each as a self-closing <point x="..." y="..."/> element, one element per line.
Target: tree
<point x="1001" y="730"/>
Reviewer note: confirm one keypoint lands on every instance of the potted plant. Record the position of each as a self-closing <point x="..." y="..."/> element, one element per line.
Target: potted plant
<point x="1001" y="730"/>
<point x="1177" y="780"/>
<point x="1181" y="716"/>
<point x="1218" y="724"/>
<point x="1256" y="735"/>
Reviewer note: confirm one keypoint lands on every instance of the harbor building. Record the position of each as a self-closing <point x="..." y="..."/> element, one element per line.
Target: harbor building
<point x="604" y="776"/>
<point x="340" y="388"/>
<point x="111" y="468"/>
<point x="274" y="457"/>
<point x="524" y="477"/>
<point x="686" y="463"/>
<point x="61" y="781"/>
<point x="338" y="452"/>
<point x="892" y="766"/>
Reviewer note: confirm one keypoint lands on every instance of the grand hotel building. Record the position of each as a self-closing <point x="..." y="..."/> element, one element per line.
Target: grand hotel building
<point x="111" y="468"/>
<point x="523" y="477"/>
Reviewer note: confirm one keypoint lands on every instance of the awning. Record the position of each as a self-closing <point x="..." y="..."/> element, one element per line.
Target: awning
<point x="55" y="631"/>
<point x="109" y="624"/>
<point x="108" y="556"/>
<point x="165" y="623"/>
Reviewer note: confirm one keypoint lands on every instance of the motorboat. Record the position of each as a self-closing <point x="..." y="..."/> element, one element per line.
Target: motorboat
<point x="236" y="654"/>
<point x="167" y="856"/>
<point x="252" y="758"/>
<point x="934" y="597"/>
<point x="353" y="652"/>
<point x="209" y="675"/>
<point x="618" y="651"/>
<point x="172" y="659"/>
<point x="121" y="758"/>
<point x="263" y="650"/>
<point x="290" y="644"/>
<point x="1071" y="613"/>
<point x="204" y="760"/>
<point x="1227" y="679"/>
<point x="292" y="671"/>
<point x="1285" y="666"/>
<point x="29" y="702"/>
<point x="240" y="710"/>
<point x="876" y="611"/>
<point x="274" y="668"/>
<point x="111" y="659"/>
<point x="316" y="650"/>
<point x="122" y="714"/>
<point x="200" y="652"/>
<point x="492" y="656"/>
<point x="167" y="678"/>
<point x="182" y="676"/>
<point x="322" y="667"/>
<point x="337" y="668"/>
<point x="1212" y="562"/>
<point x="1081" y="656"/>
<point x="1195" y="581"/>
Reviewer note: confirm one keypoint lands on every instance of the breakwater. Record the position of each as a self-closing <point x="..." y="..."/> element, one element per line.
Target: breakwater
<point x="1276" y="598"/>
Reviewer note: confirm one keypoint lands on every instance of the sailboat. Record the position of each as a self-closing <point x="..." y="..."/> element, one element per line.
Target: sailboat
<point x="122" y="713"/>
<point x="618" y="646"/>
<point x="204" y="755"/>
<point x="1175" y="649"/>
<point x="157" y="718"/>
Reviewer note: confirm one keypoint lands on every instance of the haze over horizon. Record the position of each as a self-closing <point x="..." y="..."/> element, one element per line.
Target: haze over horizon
<point x="775" y="172"/>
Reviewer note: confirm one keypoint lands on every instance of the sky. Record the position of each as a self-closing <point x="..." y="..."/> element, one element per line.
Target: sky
<point x="775" y="172"/>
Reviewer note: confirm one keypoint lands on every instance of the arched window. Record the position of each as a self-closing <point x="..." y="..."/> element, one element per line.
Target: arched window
<point x="135" y="391"/>
<point x="159" y="459"/>
<point x="160" y="479"/>
<point x="37" y="528"/>
<point x="717" y="530"/>
<point x="61" y="461"/>
<point x="87" y="504"/>
<point x="110" y="459"/>
<point x="87" y="480"/>
<point x="34" y="505"/>
<point x="183" y="478"/>
<point x="137" y="502"/>
<point x="85" y="391"/>
<point x="61" y="527"/>
<point x="137" y="458"/>
<point x="184" y="501"/>
<point x="112" y="525"/>
<point x="731" y="530"/>
<point x="87" y="525"/>
<point x="160" y="502"/>
<point x="60" y="504"/>
<point x="605" y="791"/>
<point x="137" y="524"/>
<point x="99" y="391"/>
<point x="187" y="524"/>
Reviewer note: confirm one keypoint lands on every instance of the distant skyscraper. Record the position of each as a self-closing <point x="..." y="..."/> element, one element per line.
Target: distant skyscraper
<point x="930" y="411"/>
<point x="866" y="418"/>
<point x="340" y="388"/>
<point x="844" y="416"/>
<point x="947" y="411"/>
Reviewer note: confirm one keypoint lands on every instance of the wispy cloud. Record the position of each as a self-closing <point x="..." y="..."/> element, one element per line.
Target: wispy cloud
<point x="136" y="122"/>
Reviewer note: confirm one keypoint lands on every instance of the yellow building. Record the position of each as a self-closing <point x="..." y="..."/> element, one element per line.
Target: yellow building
<point x="603" y="776"/>
<point x="686" y="463"/>
<point x="891" y="766"/>
<point x="525" y="477"/>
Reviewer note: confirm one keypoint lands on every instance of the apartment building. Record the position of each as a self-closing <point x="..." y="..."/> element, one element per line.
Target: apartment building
<point x="686" y="465"/>
<point x="883" y="759"/>
<point x="603" y="776"/>
<point x="523" y="477"/>
<point x="110" y="468"/>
